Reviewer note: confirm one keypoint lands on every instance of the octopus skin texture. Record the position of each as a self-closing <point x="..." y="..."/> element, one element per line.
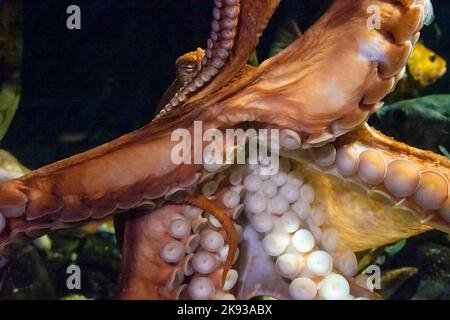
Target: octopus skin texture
<point x="196" y="231"/>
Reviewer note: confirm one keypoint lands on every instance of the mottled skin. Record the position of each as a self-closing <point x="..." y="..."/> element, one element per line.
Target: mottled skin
<point x="323" y="86"/>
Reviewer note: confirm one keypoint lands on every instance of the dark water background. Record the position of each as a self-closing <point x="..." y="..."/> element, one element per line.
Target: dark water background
<point x="94" y="84"/>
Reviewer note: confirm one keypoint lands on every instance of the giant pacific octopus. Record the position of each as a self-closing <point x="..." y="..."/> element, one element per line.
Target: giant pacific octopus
<point x="217" y="231"/>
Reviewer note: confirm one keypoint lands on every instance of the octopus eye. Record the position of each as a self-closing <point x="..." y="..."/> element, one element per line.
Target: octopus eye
<point x="432" y="58"/>
<point x="189" y="67"/>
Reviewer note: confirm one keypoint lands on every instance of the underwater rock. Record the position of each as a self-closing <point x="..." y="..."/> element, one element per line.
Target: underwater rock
<point x="35" y="274"/>
<point x="75" y="297"/>
<point x="422" y="122"/>
<point x="427" y="276"/>
<point x="10" y="61"/>
<point x="392" y="280"/>
<point x="10" y="167"/>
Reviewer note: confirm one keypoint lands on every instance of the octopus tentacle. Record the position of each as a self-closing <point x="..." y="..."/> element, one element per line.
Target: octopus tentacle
<point x="74" y="190"/>
<point x="143" y="274"/>
<point x="172" y="251"/>
<point x="310" y="83"/>
<point x="185" y="67"/>
<point x="220" y="214"/>
<point x="230" y="58"/>
<point x="218" y="49"/>
<point x="378" y="190"/>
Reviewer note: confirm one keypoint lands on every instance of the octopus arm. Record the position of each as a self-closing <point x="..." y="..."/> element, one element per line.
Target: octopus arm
<point x="157" y="258"/>
<point x="99" y="183"/>
<point x="331" y="79"/>
<point x="377" y="190"/>
<point x="224" y="58"/>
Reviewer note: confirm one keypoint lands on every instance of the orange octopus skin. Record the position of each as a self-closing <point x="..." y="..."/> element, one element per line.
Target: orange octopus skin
<point x="324" y="86"/>
<point x="220" y="214"/>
